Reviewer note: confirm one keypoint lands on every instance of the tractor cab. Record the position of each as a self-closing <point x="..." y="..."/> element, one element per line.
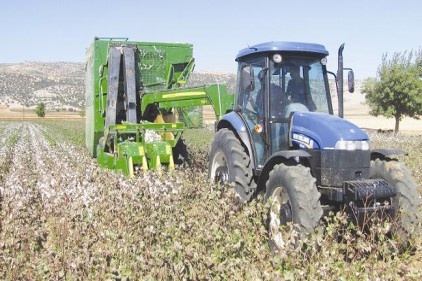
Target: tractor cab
<point x="275" y="80"/>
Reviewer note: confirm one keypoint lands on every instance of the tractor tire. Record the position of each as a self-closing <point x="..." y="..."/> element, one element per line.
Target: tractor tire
<point x="406" y="202"/>
<point x="293" y="197"/>
<point x="180" y="152"/>
<point x="229" y="163"/>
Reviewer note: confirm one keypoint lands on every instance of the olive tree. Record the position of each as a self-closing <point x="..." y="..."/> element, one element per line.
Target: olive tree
<point x="40" y="109"/>
<point x="397" y="89"/>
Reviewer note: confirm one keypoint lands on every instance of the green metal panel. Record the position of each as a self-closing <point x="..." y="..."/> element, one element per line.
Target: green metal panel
<point x="159" y="66"/>
<point x="192" y="116"/>
<point x="215" y="95"/>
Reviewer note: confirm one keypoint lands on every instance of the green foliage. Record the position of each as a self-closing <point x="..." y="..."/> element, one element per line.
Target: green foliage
<point x="40" y="109"/>
<point x="63" y="217"/>
<point x="397" y="90"/>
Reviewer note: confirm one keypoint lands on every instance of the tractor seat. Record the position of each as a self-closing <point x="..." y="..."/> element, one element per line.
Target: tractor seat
<point x="294" y="107"/>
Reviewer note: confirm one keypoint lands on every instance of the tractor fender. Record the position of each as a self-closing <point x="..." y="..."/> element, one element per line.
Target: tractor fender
<point x="383" y="153"/>
<point x="235" y="123"/>
<point x="289" y="157"/>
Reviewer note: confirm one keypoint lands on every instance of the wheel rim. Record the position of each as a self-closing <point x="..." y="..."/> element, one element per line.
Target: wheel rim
<point x="219" y="168"/>
<point x="280" y="214"/>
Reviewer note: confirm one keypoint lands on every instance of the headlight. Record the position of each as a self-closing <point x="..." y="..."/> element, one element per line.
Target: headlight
<point x="277" y="58"/>
<point x="352" y="145"/>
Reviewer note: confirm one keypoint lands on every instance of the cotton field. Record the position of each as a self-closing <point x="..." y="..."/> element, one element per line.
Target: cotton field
<point x="62" y="217"/>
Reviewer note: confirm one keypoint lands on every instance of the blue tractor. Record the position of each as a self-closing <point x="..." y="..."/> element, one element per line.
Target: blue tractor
<point x="282" y="138"/>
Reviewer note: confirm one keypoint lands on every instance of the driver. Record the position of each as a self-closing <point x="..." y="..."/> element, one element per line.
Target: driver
<point x="276" y="97"/>
<point x="296" y="86"/>
<point x="296" y="89"/>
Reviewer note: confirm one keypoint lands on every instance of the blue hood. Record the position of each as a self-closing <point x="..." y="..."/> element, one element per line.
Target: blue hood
<point x="324" y="129"/>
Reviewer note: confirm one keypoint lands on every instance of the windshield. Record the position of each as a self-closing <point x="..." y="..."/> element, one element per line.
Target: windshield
<point x="302" y="83"/>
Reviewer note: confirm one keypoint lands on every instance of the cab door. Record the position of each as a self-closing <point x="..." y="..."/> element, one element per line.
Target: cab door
<point x="251" y="102"/>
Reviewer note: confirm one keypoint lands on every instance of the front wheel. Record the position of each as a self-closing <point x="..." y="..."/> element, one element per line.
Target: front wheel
<point x="293" y="197"/>
<point x="229" y="163"/>
<point x="406" y="202"/>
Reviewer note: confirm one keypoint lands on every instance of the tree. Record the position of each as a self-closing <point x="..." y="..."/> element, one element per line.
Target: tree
<point x="397" y="89"/>
<point x="40" y="109"/>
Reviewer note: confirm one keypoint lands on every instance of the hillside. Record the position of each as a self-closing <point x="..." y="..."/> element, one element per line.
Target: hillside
<point x="61" y="86"/>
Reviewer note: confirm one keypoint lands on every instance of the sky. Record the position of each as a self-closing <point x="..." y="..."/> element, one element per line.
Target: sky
<point x="61" y="30"/>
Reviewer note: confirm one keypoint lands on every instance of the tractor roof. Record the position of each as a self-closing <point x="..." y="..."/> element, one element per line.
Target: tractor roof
<point x="282" y="47"/>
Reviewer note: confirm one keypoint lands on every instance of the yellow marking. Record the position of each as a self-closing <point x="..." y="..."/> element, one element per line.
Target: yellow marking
<point x="171" y="162"/>
<point x="158" y="163"/>
<point x="141" y="150"/>
<point x="144" y="164"/>
<point x="130" y="167"/>
<point x="120" y="127"/>
<point x="183" y="94"/>
<point x="168" y="136"/>
<point x="159" y="119"/>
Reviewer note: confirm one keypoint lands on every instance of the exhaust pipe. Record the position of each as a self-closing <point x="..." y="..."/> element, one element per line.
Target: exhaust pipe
<point x="340" y="81"/>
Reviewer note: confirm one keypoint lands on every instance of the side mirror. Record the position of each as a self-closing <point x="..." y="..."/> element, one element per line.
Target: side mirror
<point x="247" y="79"/>
<point x="351" y="81"/>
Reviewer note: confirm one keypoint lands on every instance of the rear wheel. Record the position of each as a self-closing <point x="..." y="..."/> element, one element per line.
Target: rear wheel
<point x="293" y="197"/>
<point x="229" y="163"/>
<point x="406" y="202"/>
<point x="180" y="152"/>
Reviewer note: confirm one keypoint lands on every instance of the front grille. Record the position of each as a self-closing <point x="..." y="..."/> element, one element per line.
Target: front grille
<point x="337" y="166"/>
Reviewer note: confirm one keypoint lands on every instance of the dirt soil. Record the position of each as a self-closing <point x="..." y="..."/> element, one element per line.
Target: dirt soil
<point x="357" y="112"/>
<point x="16" y="113"/>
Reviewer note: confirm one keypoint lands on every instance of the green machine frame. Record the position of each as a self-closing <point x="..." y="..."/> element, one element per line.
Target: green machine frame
<point x="129" y="84"/>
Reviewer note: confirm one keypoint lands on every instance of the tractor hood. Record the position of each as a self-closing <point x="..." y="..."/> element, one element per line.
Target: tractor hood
<point x="323" y="131"/>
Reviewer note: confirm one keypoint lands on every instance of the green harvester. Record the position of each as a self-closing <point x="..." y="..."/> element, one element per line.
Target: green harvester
<point x="136" y="99"/>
